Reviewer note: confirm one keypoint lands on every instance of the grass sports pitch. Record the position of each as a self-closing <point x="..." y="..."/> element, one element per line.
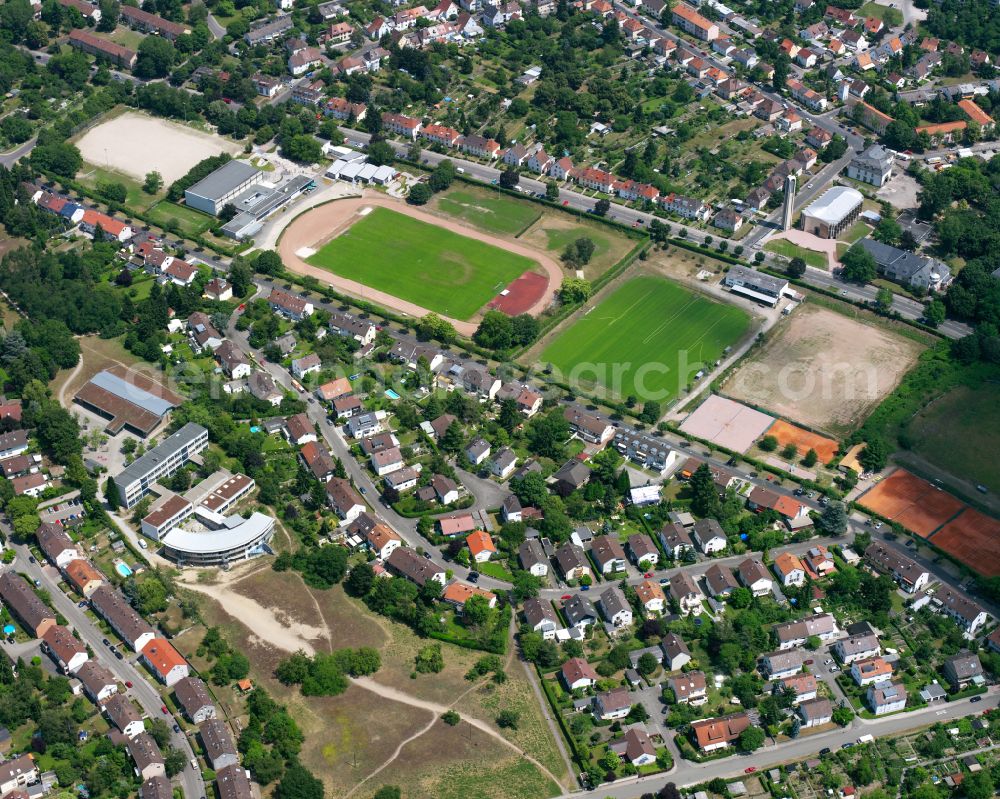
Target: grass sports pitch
<point x="421" y="263"/>
<point x="646" y="321"/>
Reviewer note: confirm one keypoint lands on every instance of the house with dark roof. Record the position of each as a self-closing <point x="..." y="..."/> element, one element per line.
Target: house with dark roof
<point x="720" y="581"/>
<point x="194" y="700"/>
<point x="676" y="540"/>
<point x="579" y="612"/>
<point x="642" y="549"/>
<point x="615" y="607"/>
<point x="216" y="740"/>
<point x="24" y="603"/>
<point x="572" y="561"/>
<point x="540" y="617"/>
<point x="570" y="477"/>
<point x="963" y="670"/>
<point x="690" y="688"/>
<point x="676" y="655"/>
<point x="608" y="554"/>
<point x="577" y="673"/>
<point x="906" y="267"/>
<point x="613" y="704"/>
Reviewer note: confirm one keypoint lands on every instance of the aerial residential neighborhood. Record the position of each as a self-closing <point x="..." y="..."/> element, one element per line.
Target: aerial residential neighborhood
<point x="512" y="400"/>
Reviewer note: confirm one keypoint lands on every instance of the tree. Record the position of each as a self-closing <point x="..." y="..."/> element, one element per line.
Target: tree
<point x="934" y="313"/>
<point x="601" y="207"/>
<point x="388" y="792"/>
<point x="875" y="455"/>
<point x="650" y="412"/>
<point x="419" y="194"/>
<point x="810" y="459"/>
<point x="298" y="783"/>
<point x="883" y="300"/>
<point x="153" y="182"/>
<point x="751" y="739"/>
<point x="360" y="580"/>
<point x="768" y="443"/>
<point x="509" y="178"/>
<point x="156" y="57"/>
<point x="888" y="231"/>
<point x="451" y="718"/>
<point x="978" y="785"/>
<point x="833" y="519"/>
<point x="789" y="451"/>
<point x="508" y="719"/>
<point x="842" y="715"/>
<point x="174" y="761"/>
<point x="796" y="268"/>
<point x="704" y="493"/>
<point x="858" y="265"/>
<point x="552" y="191"/>
<point x="495" y="331"/>
<point x="647" y="664"/>
<point x="303" y="148"/>
<point x="379" y="153"/>
<point x="442" y="176"/>
<point x="269" y="263"/>
<point x="574" y="291"/>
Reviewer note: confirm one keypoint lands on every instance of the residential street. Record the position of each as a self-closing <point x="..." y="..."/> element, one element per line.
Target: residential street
<point x="124" y="670"/>
<point x="686" y="773"/>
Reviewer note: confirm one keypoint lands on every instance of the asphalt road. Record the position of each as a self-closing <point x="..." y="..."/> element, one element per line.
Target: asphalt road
<point x="686" y="773"/>
<point x="142" y="690"/>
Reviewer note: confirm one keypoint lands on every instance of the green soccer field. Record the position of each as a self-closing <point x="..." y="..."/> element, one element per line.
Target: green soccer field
<point x="421" y="263"/>
<point x="647" y="339"/>
<point x="492" y="213"/>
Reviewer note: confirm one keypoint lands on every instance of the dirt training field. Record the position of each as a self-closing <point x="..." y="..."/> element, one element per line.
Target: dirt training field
<point x="804" y="440"/>
<point x="135" y="144"/>
<point x="974" y="539"/>
<point x="310" y="233"/>
<point x="913" y="502"/>
<point x="823" y="369"/>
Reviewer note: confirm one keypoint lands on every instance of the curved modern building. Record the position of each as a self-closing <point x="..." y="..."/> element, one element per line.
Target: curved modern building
<point x="237" y="539"/>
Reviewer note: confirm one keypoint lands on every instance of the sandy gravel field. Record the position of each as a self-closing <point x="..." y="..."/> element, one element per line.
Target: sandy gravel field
<point x="135" y="144"/>
<point x="312" y="230"/>
<point x="823" y="369"/>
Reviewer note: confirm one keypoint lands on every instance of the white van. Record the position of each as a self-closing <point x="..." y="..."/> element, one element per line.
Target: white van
<point x="866" y="739"/>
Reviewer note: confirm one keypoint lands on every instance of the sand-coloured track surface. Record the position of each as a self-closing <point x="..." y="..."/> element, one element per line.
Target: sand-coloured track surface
<point x="310" y="231"/>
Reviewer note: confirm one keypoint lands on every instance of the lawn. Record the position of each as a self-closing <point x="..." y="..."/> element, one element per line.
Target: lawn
<point x="421" y="263"/>
<point x="790" y="250"/>
<point x="647" y="339"/>
<point x="191" y="222"/>
<point x="494" y="214"/>
<point x="90" y="175"/>
<point x="960" y="433"/>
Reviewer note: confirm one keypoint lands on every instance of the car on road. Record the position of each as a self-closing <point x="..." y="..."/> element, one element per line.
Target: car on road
<point x="584" y="587"/>
<point x="128" y="683"/>
<point x="38" y="583"/>
<point x="843" y="292"/>
<point x="976" y="699"/>
<point x="664" y="581"/>
<point x="749" y="770"/>
<point x="565" y="597"/>
<point x="473" y="577"/>
<point x="825" y="750"/>
<point x="848" y="745"/>
<point x="106" y="642"/>
<point x="177" y="728"/>
<point x="142" y="544"/>
<point x="164" y="711"/>
<point x="647" y="575"/>
<point x="835" y="667"/>
<point x="31" y="558"/>
<point x="363" y="490"/>
<point x="565" y="202"/>
<point x="81" y="604"/>
<point x="119" y="655"/>
<point x="427" y="555"/>
<point x="807" y="662"/>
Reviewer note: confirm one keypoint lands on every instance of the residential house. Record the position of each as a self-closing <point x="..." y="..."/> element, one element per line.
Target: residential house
<point x="886" y="698"/>
<point x="589" y="427"/>
<point x="857" y="647"/>
<point x="382" y="541"/>
<point x="818" y="562"/>
<point x="56" y="544"/>
<point x="754" y="575"/>
<point x="643" y="550"/>
<point x="344" y="500"/>
<point x="870" y="670"/>
<point x="789" y="570"/>
<point x="477" y="451"/>
<point x="98" y="682"/>
<point x="457" y="524"/>
<point x="479" y="146"/>
<point x="966" y="613"/>
<point x="18" y="773"/>
<point x="963" y="670"/>
<point x="407" y="563"/>
<point x="570" y="477"/>
<point x="689" y="688"/>
<point x="676" y="655"/>
<point x="445" y="489"/>
<point x="793" y="634"/>
<point x="711" y="735"/>
<point x="907" y="573"/>
<point x="124" y="716"/>
<point x="318" y="460"/>
<point x="579" y="611"/>
<point x="709" y="536"/>
<point x="511" y="510"/>
<point x="262" y="386"/>
<point x="481" y="546"/>
<point x="164" y="661"/>
<point x="110" y="604"/>
<point x="615" y="607"/>
<point x="676" y="540"/>
<point x="299" y="429"/>
<point x="22" y="602"/>
<point x="802" y="687"/>
<point x="613" y="704"/>
<point x="68" y="652"/>
<point x="503" y="463"/>
<point x="720" y="581"/>
<point x="146" y="757"/>
<point x="685" y="592"/>
<point x="532" y="558"/>
<point x="578" y="674"/>
<point x="651" y="596"/>
<point x="306" y="365"/>
<point x="217" y="743"/>
<point x="541" y="618"/>
<point x="194" y="700"/>
<point x="873" y="166"/>
<point x="781" y="664"/>
<point x="816" y="712"/>
<point x="636" y="747"/>
<point x="608" y="554"/>
<point x="572" y="562"/>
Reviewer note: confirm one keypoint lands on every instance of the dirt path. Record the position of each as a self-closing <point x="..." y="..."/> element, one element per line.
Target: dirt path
<point x="315" y="228"/>
<point x="282" y="633"/>
<point x="388" y="692"/>
<point x="70" y="378"/>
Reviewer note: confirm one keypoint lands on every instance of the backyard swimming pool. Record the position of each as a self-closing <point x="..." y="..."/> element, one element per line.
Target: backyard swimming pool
<point x="123" y="569"/>
<point x="391" y="394"/>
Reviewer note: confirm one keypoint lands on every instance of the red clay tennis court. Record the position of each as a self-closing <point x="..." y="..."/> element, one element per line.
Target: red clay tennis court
<point x="974" y="539"/>
<point x="913" y="502"/>
<point x="804" y="440"/>
<point x="521" y="294"/>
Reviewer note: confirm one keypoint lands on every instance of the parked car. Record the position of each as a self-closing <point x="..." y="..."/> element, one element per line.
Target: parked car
<point x="164" y="711"/>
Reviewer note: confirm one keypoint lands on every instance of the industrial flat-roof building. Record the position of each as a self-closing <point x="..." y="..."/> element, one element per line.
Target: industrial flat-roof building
<point x="127" y="399"/>
<point x="163" y="460"/>
<point x="833" y="212"/>
<point x="259" y="201"/>
<point x="223" y="186"/>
